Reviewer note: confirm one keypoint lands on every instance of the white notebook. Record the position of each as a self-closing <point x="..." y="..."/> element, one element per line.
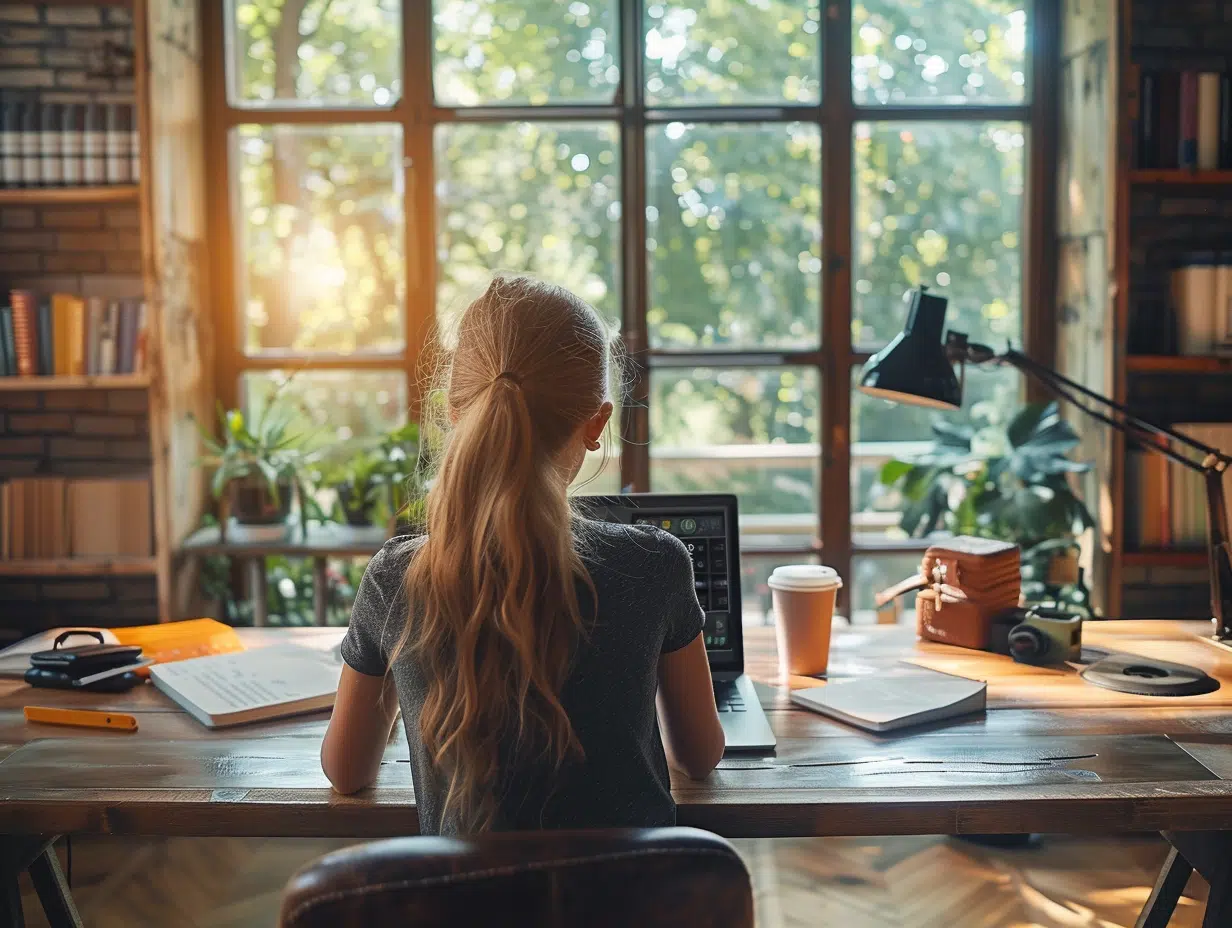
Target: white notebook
<point x="888" y="701"/>
<point x="250" y="686"/>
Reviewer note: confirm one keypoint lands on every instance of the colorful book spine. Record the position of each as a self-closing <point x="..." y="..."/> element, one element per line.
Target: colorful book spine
<point x="1187" y="154"/>
<point x="96" y="310"/>
<point x="77" y="337"/>
<point x="1148" y="120"/>
<point x="108" y="342"/>
<point x="141" y="348"/>
<point x="8" y="345"/>
<point x="46" y="350"/>
<point x="25" y="332"/>
<point x="1225" y="121"/>
<point x="1208" y="122"/>
<point x="127" y="340"/>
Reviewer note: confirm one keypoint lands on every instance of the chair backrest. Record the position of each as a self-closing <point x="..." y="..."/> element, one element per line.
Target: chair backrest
<point x="648" y="878"/>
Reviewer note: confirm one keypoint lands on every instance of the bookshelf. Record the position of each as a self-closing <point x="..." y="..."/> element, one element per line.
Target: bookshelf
<point x="1173" y="176"/>
<point x="84" y="196"/>
<point x="81" y="567"/>
<point x="1156" y="217"/>
<point x="109" y="382"/>
<point x="169" y="234"/>
<point x="1166" y="557"/>
<point x="1176" y="364"/>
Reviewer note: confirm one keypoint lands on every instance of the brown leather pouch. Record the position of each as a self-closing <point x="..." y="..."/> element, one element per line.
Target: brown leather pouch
<point x="964" y="582"/>
<point x="973" y="579"/>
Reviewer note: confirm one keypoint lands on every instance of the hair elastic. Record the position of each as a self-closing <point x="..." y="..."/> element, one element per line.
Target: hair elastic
<point x="510" y="376"/>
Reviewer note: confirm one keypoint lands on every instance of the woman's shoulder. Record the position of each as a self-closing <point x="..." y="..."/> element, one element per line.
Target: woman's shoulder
<point x="387" y="568"/>
<point x="631" y="546"/>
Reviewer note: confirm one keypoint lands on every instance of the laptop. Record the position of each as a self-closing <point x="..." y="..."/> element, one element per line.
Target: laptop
<point x="708" y="524"/>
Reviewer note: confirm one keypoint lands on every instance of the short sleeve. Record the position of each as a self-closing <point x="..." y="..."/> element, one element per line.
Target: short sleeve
<point x="361" y="648"/>
<point x="685" y="618"/>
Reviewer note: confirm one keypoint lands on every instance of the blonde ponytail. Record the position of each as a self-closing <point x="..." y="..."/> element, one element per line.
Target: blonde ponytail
<point x="494" y="608"/>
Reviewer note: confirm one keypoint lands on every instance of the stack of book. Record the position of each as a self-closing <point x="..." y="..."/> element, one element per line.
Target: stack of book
<point x="1170" y="499"/>
<point x="1202" y="301"/>
<point x="63" y="334"/>
<point x="1184" y="120"/>
<point x="43" y="518"/>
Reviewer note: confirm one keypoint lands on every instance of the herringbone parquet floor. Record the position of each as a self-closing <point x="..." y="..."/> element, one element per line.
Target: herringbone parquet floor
<point x="914" y="882"/>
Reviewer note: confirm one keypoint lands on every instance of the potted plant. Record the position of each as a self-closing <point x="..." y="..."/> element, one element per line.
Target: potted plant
<point x="378" y="480"/>
<point x="255" y="462"/>
<point x="1010" y="482"/>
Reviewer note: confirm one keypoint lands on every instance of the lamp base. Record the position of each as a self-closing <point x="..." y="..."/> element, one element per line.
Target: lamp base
<point x="1225" y="643"/>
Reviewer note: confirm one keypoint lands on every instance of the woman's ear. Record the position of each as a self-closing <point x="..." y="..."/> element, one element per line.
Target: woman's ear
<point x="593" y="429"/>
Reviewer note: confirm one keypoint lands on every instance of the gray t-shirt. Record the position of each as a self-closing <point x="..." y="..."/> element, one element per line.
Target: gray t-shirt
<point x="646" y="607"/>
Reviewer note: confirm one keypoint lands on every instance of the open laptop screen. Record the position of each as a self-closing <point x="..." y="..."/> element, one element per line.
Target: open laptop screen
<point x="706" y="524"/>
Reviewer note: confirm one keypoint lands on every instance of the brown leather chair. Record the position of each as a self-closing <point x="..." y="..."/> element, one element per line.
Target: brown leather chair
<point x="649" y="878"/>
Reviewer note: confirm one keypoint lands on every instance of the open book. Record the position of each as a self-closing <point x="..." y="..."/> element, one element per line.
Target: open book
<point x="885" y="702"/>
<point x="251" y="686"/>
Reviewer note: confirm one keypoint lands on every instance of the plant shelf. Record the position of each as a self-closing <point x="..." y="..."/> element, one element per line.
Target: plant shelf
<point x="39" y="196"/>
<point x="102" y="382"/>
<point x="80" y="567"/>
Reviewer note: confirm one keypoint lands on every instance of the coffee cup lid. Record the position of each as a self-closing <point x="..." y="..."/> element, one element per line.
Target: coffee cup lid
<point x="805" y="577"/>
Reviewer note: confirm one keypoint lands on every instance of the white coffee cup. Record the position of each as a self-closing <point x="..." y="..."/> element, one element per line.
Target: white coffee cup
<point x="804" y="596"/>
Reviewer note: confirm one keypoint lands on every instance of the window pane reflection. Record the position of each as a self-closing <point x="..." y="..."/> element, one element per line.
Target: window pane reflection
<point x="904" y="51"/>
<point x="939" y="204"/>
<point x="493" y="52"/>
<point x="734" y="235"/>
<point x="320" y="240"/>
<point x="543" y="198"/>
<point x="733" y="51"/>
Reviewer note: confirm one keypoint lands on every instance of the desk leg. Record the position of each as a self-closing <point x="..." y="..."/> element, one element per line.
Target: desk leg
<point x="320" y="591"/>
<point x="1167" y="892"/>
<point x="1210" y="853"/>
<point x="38" y="855"/>
<point x="256" y="591"/>
<point x="53" y="891"/>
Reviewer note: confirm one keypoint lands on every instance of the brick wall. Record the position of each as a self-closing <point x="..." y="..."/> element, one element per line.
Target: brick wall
<point x="54" y="54"/>
<point x="69" y="240"/>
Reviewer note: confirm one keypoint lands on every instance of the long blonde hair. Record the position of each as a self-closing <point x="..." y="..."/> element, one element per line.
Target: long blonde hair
<point x="494" y="608"/>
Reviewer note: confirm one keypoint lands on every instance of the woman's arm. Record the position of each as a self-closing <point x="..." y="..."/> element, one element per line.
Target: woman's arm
<point x="364" y="713"/>
<point x="688" y="717"/>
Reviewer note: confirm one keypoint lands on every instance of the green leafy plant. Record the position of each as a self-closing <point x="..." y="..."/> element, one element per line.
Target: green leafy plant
<point x="263" y="447"/>
<point x="380" y="479"/>
<point x="1010" y="482"/>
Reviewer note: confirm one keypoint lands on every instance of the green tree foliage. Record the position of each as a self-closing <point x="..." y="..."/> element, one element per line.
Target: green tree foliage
<point x="733" y="209"/>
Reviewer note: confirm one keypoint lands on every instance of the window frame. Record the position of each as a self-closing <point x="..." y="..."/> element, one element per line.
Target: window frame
<point x="417" y="113"/>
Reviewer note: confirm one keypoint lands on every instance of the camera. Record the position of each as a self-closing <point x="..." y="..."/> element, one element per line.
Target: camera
<point x="1044" y="636"/>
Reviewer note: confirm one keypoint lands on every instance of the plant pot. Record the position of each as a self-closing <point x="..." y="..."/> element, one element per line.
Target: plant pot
<point x="253" y="504"/>
<point x="1063" y="568"/>
<point x="356" y="507"/>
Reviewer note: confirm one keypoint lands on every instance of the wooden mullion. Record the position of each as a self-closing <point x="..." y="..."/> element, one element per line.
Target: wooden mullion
<point x="1040" y="258"/>
<point x="418" y="126"/>
<point x="634" y="294"/>
<point x="219" y="207"/>
<point x="313" y="115"/>
<point x="836" y="127"/>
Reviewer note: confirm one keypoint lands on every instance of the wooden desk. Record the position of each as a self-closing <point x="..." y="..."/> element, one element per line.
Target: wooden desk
<point x="1002" y="772"/>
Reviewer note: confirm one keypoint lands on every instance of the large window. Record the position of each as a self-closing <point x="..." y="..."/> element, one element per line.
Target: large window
<point x="745" y="188"/>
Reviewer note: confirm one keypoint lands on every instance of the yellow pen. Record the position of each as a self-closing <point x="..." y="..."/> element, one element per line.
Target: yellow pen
<point x="81" y="718"/>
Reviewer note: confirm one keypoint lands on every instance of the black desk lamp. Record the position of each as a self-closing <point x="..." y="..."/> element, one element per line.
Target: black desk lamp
<point x="917" y="368"/>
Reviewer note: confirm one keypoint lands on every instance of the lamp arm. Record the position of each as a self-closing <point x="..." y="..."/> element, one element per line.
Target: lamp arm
<point x="1212" y="466"/>
<point x="1129" y="424"/>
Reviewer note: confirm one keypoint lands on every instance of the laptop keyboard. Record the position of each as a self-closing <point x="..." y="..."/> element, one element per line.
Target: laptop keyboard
<point x="727" y="697"/>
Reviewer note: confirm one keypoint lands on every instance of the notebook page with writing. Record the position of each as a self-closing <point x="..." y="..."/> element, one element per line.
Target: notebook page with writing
<point x="250" y="686"/>
<point x="896" y="699"/>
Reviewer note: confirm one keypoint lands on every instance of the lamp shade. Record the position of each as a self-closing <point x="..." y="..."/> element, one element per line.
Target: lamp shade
<point x="914" y="368"/>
